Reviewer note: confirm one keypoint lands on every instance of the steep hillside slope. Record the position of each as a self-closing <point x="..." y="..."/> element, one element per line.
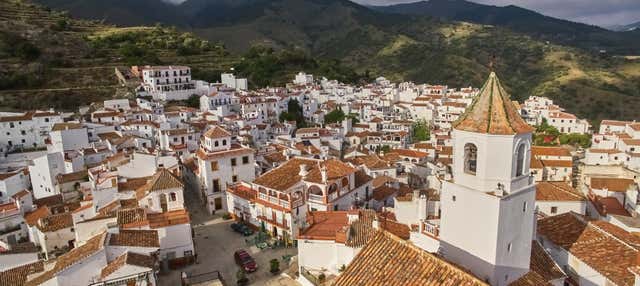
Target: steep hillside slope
<point x="541" y="27"/>
<point x="414" y="47"/>
<point x="50" y="60"/>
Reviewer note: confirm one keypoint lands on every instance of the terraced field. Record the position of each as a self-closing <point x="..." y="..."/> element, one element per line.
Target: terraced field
<point x="65" y="67"/>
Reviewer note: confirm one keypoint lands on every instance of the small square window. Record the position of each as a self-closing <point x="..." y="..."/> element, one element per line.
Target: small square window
<point x="233" y="161"/>
<point x="554" y="210"/>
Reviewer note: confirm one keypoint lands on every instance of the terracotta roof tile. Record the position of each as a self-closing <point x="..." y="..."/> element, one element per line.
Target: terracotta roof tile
<point x="592" y="244"/>
<point x="70" y="258"/>
<point x="492" y="112"/>
<point x="612" y="184"/>
<point x="217" y="132"/>
<point x="135" y="237"/>
<point x="390" y="261"/>
<point x="18" y="275"/>
<point x="55" y="222"/>
<point x="557" y="191"/>
<point x="128" y="258"/>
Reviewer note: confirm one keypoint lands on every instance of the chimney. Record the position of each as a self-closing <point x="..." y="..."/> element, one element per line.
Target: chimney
<point x="303" y="171"/>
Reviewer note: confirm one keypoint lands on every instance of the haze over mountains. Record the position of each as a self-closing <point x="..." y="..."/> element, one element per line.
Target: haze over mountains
<point x="422" y="42"/>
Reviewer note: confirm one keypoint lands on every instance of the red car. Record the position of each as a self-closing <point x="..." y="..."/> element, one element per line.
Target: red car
<point x="244" y="260"/>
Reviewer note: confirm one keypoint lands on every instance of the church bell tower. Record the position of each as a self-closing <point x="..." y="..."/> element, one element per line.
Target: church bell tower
<point x="487" y="221"/>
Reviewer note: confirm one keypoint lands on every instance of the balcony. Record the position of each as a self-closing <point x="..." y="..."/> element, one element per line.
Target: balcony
<point x="431" y="228"/>
<point x="316" y="198"/>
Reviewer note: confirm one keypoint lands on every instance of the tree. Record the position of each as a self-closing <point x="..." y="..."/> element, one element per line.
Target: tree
<point x="193" y="101"/>
<point x="420" y="131"/>
<point x="336" y="115"/>
<point x="294" y="112"/>
<point x="575" y="139"/>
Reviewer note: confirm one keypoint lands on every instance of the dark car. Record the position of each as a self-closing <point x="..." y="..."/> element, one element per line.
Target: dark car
<point x="241" y="228"/>
<point x="245" y="261"/>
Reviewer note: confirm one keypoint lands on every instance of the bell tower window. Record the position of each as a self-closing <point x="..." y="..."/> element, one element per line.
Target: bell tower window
<point x="520" y="160"/>
<point x="470" y="158"/>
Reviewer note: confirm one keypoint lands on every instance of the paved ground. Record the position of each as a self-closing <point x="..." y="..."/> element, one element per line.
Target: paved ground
<point x="215" y="244"/>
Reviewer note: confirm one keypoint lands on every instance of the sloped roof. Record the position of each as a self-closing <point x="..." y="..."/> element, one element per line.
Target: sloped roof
<point x="388" y="260"/>
<point x="135" y="237"/>
<point x="594" y="243"/>
<point x="557" y="191"/>
<point x="163" y="180"/>
<point x="128" y="258"/>
<point x="216" y="132"/>
<point x="492" y="112"/>
<point x="70" y="258"/>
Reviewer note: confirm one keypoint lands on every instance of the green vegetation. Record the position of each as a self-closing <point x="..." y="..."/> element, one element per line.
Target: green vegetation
<point x="294" y="113"/>
<point x="336" y="115"/>
<point x="193" y="101"/>
<point x="420" y="131"/>
<point x="547" y="135"/>
<point x="575" y="139"/>
<point x="265" y="66"/>
<point x="274" y="266"/>
<point x="65" y="63"/>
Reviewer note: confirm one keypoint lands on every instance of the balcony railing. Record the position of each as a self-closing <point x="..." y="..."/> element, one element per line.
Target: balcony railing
<point x="316" y="198"/>
<point x="431" y="229"/>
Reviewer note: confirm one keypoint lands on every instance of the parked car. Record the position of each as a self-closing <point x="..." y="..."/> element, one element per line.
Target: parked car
<point x="245" y="261"/>
<point x="241" y="228"/>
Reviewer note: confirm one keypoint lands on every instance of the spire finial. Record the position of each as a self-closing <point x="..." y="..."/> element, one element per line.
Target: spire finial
<point x="492" y="62"/>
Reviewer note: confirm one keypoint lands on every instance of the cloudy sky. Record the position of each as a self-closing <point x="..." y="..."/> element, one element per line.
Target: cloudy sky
<point x="596" y="12"/>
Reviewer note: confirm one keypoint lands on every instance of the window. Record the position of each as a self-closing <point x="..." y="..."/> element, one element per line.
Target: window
<point x="470" y="158"/>
<point x="216" y="143"/>
<point x="214" y="165"/>
<point x="245" y="160"/>
<point x="554" y="210"/>
<point x="150" y="202"/>
<point x="453" y="198"/>
<point x="233" y="162"/>
<point x="188" y="253"/>
<point x="524" y="207"/>
<point x="216" y="185"/>
<point x="234" y="178"/>
<point x="509" y="247"/>
<point x="520" y="160"/>
<point x="224" y="142"/>
<point x="172" y="197"/>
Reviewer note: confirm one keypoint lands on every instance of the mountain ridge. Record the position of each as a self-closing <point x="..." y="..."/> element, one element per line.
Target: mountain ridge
<point x="425" y="49"/>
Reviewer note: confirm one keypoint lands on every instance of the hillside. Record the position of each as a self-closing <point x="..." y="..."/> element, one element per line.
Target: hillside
<point x="536" y="25"/>
<point x="50" y="60"/>
<point x="407" y="47"/>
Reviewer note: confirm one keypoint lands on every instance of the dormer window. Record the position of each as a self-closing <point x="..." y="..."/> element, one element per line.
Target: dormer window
<point x="470" y="158"/>
<point x="216" y="144"/>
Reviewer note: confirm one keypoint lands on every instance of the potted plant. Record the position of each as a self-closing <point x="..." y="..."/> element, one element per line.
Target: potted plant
<point x="275" y="266"/>
<point x="242" y="278"/>
<point x="321" y="277"/>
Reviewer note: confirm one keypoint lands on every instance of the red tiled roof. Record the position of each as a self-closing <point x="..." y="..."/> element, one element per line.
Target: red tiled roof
<point x="592" y="244"/>
<point x="492" y="112"/>
<point x="390" y="261"/>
